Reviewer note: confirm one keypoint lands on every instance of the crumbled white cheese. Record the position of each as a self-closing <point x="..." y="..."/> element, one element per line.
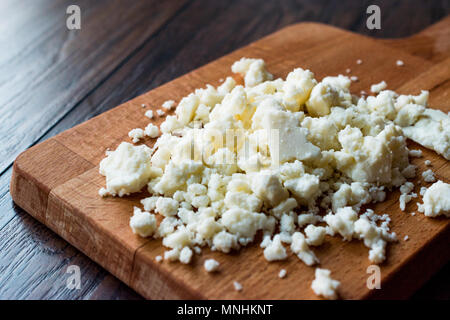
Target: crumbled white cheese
<point x="275" y="250"/>
<point x="347" y="223"/>
<point x="399" y="63"/>
<point x="354" y="78"/>
<point x="158" y="258"/>
<point x="427" y="163"/>
<point x="406" y="194"/>
<point x="102" y="192"/>
<point x="143" y="223"/>
<point x="422" y="190"/>
<point x="342" y="222"/>
<point x="136" y="134"/>
<point x="149" y="114"/>
<point x="431" y="130"/>
<point x="406" y="238"/>
<point x="324" y="286"/>
<point x="405" y="199"/>
<point x="237" y="286"/>
<point x="151" y="130"/>
<point x="167" y="206"/>
<point x="359" y="61"/>
<point x="127" y="169"/>
<point x="378" y="87"/>
<point x="185" y="255"/>
<point x="253" y="71"/>
<point x="172" y="255"/>
<point x="300" y="247"/>
<point x="211" y="265"/>
<point x="235" y="161"/>
<point x="168" y="105"/>
<point x="282" y="274"/>
<point x="415" y="153"/>
<point x="428" y="176"/>
<point x="308" y="218"/>
<point x="436" y="200"/>
<point x="315" y="235"/>
<point x="197" y="250"/>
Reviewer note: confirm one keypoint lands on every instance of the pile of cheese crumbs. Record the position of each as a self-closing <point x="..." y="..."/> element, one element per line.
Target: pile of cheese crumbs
<point x="270" y="157"/>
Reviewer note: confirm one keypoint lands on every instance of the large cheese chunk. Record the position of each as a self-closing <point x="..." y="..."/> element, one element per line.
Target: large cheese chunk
<point x="432" y="130"/>
<point x="127" y="169"/>
<point x="436" y="200"/>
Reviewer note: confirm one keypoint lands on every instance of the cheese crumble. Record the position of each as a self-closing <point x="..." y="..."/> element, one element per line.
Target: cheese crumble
<point x="270" y="157"/>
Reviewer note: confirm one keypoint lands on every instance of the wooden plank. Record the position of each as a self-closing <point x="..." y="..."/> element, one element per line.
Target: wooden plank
<point x="77" y="213"/>
<point x="49" y="68"/>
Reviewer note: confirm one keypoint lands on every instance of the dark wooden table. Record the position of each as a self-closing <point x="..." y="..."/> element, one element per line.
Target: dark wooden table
<point x="52" y="78"/>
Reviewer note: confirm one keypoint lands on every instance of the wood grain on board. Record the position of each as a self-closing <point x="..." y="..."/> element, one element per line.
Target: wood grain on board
<point x="65" y="197"/>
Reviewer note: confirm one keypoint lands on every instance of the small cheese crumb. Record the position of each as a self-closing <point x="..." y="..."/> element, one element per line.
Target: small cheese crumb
<point x="282" y="273"/>
<point x="185" y="255"/>
<point x="275" y="250"/>
<point x="348" y="70"/>
<point x="375" y="88"/>
<point x="168" y="105"/>
<point x="359" y="61"/>
<point x="315" y="235"/>
<point x="324" y="286"/>
<point x="149" y="114"/>
<point x="237" y="286"/>
<point x="428" y="176"/>
<point x="211" y="265"/>
<point x="197" y="250"/>
<point x="413" y="213"/>
<point x="354" y="78"/>
<point x="160" y="112"/>
<point x="143" y="223"/>
<point x="405" y="199"/>
<point x="423" y="190"/>
<point x="143" y="105"/>
<point x="151" y="130"/>
<point x="103" y="192"/>
<point x="428" y="163"/>
<point x="158" y="258"/>
<point x="399" y="63"/>
<point x="172" y="255"/>
<point x="415" y="153"/>
<point x="406" y="238"/>
<point x="136" y="134"/>
<point x="363" y="93"/>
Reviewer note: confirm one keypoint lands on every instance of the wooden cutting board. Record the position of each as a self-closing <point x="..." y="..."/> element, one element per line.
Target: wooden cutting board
<point x="57" y="181"/>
